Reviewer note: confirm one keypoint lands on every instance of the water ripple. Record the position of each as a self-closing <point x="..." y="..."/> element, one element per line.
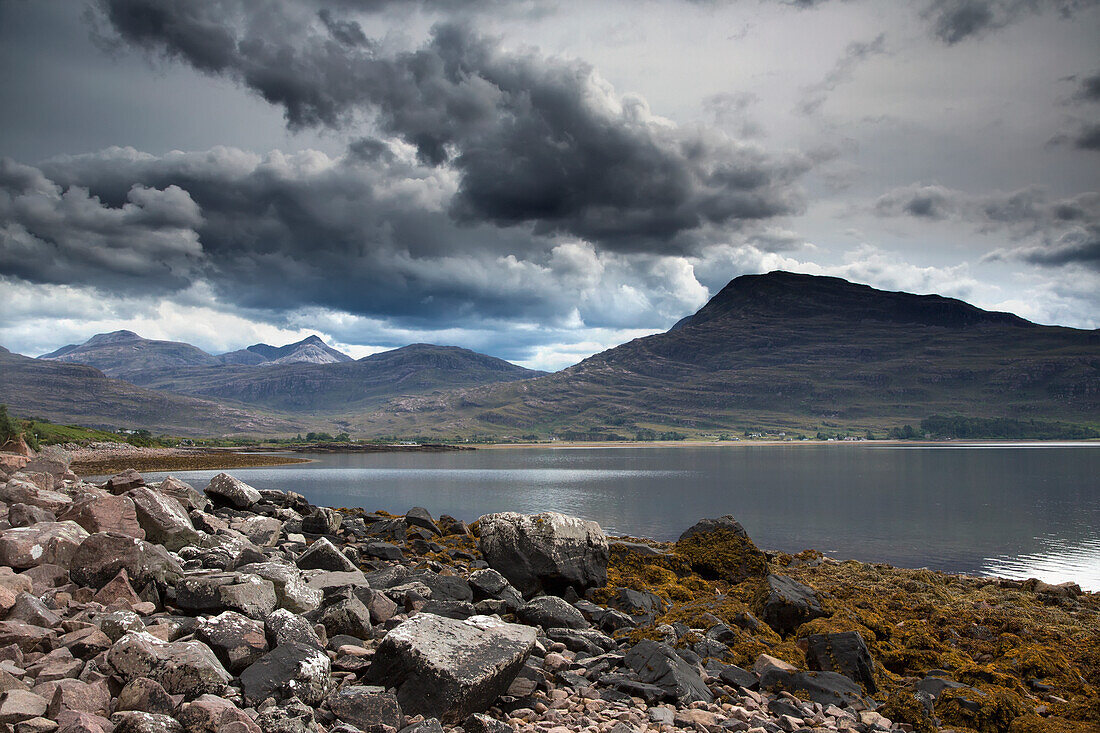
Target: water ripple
<point x="1060" y="562"/>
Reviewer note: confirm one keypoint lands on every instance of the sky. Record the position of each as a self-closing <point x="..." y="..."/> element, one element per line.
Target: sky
<point x="538" y="180"/>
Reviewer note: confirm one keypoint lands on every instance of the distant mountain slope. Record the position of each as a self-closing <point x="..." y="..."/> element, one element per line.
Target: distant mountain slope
<point x="119" y="353"/>
<point x="339" y="387"/>
<point x="65" y="392"/>
<point x="792" y="350"/>
<point x="310" y="350"/>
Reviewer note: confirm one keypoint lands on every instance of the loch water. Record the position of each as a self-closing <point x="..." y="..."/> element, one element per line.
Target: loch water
<point x="1013" y="510"/>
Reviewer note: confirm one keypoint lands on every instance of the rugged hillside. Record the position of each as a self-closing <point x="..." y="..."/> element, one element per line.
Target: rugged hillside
<point x="65" y="392"/>
<point x="124" y="354"/>
<point x="339" y="387"/>
<point x="119" y="353"/>
<point x="798" y="351"/>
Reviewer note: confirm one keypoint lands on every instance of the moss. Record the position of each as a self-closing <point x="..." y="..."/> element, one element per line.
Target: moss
<point x="902" y="706"/>
<point x="986" y="710"/>
<point x="722" y="554"/>
<point x="1032" y="723"/>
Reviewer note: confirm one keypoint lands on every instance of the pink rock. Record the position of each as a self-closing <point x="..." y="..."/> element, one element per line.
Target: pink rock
<point x="46" y="542"/>
<point x="107" y="514"/>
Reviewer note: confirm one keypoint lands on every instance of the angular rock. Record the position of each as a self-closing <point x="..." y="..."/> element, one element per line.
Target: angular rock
<point x="720" y="549"/>
<point x="20" y="489"/>
<point x="383" y="551"/>
<point x="26" y="636"/>
<point x="551" y="612"/>
<point x="107" y="513"/>
<point x="187" y="668"/>
<point x="364" y="707"/>
<point x="80" y="696"/>
<point x="418" y="516"/>
<point x="100" y="557"/>
<point x="122" y="482"/>
<point x="291" y="589"/>
<point x="163" y="519"/>
<point x="481" y="723"/>
<point x="448" y="669"/>
<point x="188" y="496"/>
<point x="448" y="525"/>
<point x="261" y="531"/>
<point x="827" y="688"/>
<point x="283" y="627"/>
<point x="547" y="551"/>
<point x="133" y="721"/>
<point x="47" y="542"/>
<point x="659" y="664"/>
<point x="117" y="590"/>
<point x="349" y="616"/>
<point x="145" y="695"/>
<point x="19" y="705"/>
<point x="846" y="653"/>
<point x="250" y="594"/>
<point x="788" y="604"/>
<point x="237" y="640"/>
<point x="115" y="624"/>
<point x="292" y="716"/>
<point x="31" y="610"/>
<point x="224" y="490"/>
<point x="323" y="555"/>
<point x="488" y="583"/>
<point x="24" y="515"/>
<point x="289" y="670"/>
<point x="211" y="714"/>
<point x="322" y="520"/>
<point x="704" y="526"/>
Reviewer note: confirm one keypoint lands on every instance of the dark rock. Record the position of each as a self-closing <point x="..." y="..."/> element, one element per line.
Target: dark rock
<point x="101" y="556"/>
<point x="449" y="669"/>
<point x="323" y="520"/>
<point x="224" y="490"/>
<point x="133" y="721"/>
<point x="481" y="723"/>
<point x="24" y="515"/>
<point x="588" y="641"/>
<point x="187" y="668"/>
<point x="292" y="716"/>
<point x="120" y="483"/>
<point x="827" y="688"/>
<point x="703" y="526"/>
<point x="551" y="612"/>
<point x="323" y="555"/>
<point x="364" y="707"/>
<point x="934" y="686"/>
<point x="448" y="526"/>
<point x="187" y="495"/>
<point x="450" y="609"/>
<point x="659" y="664"/>
<point x="289" y="670"/>
<point x="846" y="653"/>
<point x="720" y="549"/>
<point x="419" y="517"/>
<point x="637" y="603"/>
<point x="347" y="616"/>
<point x="733" y="675"/>
<point x="431" y="725"/>
<point x="284" y="627"/>
<point x="547" y="551"/>
<point x="443" y="587"/>
<point x="788" y="604"/>
<point x="382" y="551"/>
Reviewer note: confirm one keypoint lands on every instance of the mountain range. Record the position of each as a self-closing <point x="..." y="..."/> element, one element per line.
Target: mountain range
<point x="772" y="351"/>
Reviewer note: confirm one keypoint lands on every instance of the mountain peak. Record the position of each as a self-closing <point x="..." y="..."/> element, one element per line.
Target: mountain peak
<point x="791" y="295"/>
<point x="114" y="337"/>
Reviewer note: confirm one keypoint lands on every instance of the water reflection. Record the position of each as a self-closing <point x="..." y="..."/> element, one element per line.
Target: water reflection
<point x="1034" y="509"/>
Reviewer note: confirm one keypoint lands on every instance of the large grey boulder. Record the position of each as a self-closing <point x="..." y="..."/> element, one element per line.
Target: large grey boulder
<point x="448" y="669"/>
<point x="323" y="555"/>
<point x="551" y="612"/>
<point x="187" y="668"/>
<point x="366" y="707"/>
<point x="788" y="604"/>
<point x="283" y="627"/>
<point x="249" y="594"/>
<point x="289" y="670"/>
<point x="547" y="551"/>
<point x="102" y="555"/>
<point x="323" y="520"/>
<point x="291" y="589"/>
<point x="54" y="543"/>
<point x="705" y="526"/>
<point x="187" y="495"/>
<point x="224" y="490"/>
<point x="164" y="519"/>
<point x="659" y="664"/>
<point x="826" y="688"/>
<point x="236" y="640"/>
<point x="19" y="489"/>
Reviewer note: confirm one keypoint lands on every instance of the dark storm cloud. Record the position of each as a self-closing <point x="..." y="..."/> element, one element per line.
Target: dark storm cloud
<point x="1089" y="89"/>
<point x="1079" y="246"/>
<point x="535" y="141"/>
<point x="953" y="21"/>
<point x="1088" y="138"/>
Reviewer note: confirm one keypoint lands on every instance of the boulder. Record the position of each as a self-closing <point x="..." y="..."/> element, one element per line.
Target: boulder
<point x="20" y="489"/>
<point x="366" y="707"/>
<point x="659" y="664"/>
<point x="187" y="668"/>
<point x="211" y="714"/>
<point x="31" y="610"/>
<point x="224" y="490"/>
<point x="418" y="516"/>
<point x="163" y="519"/>
<point x="118" y="589"/>
<point x="145" y="695"/>
<point x="291" y="589"/>
<point x="289" y="670"/>
<point x="448" y="669"/>
<point x="349" y="616"/>
<point x="322" y="520"/>
<point x="291" y="716"/>
<point x="283" y="627"/>
<point x="323" y="555"/>
<point x="551" y="612"/>
<point x="117" y="623"/>
<point x="187" y="495"/>
<point x="134" y="721"/>
<point x="547" y="552"/>
<point x="120" y="483"/>
<point x="261" y="531"/>
<point x="19" y="705"/>
<point x="703" y="526"/>
<point x="70" y="694"/>
<point x="448" y="525"/>
<point x="720" y="549"/>
<point x="216" y="591"/>
<point x="787" y="604"/>
<point x="488" y="583"/>
<point x="237" y="641"/>
<point x="47" y="542"/>
<point x="106" y="514"/>
<point x="102" y="555"/>
<point x="24" y="515"/>
<point x="827" y="688"/>
<point x="846" y="653"/>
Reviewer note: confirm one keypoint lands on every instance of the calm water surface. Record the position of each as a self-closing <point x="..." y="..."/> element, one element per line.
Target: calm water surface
<point x="1018" y="510"/>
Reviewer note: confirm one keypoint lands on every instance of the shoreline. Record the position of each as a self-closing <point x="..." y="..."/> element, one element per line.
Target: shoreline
<point x="959" y="443"/>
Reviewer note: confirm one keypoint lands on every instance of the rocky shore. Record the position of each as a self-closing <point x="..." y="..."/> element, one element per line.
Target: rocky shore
<point x="130" y="607"/>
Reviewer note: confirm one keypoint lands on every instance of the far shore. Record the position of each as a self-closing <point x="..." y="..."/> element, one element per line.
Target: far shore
<point x="754" y="443"/>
